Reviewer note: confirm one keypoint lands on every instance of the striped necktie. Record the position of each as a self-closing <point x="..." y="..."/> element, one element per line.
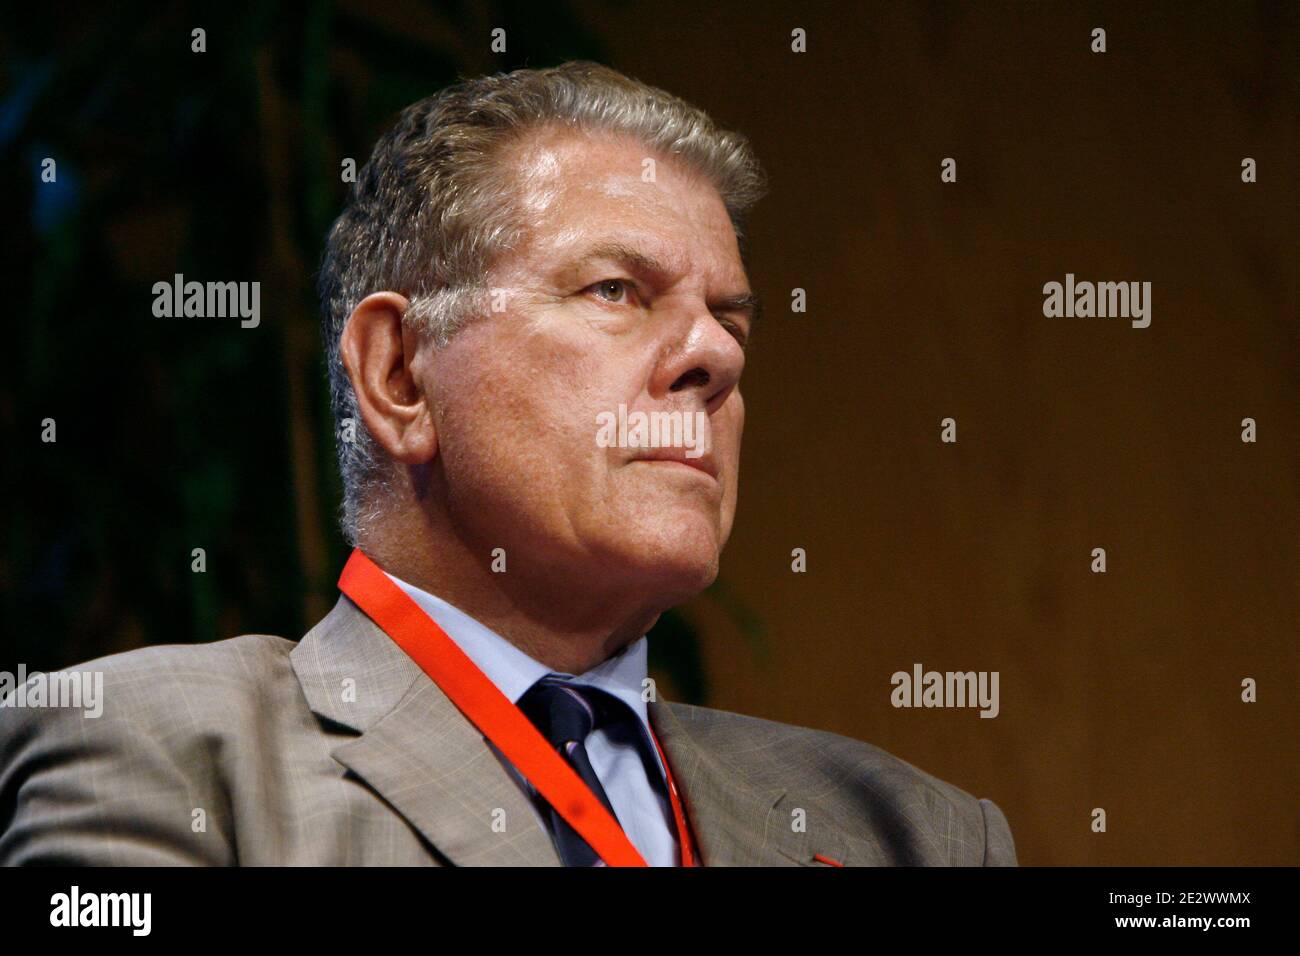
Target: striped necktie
<point x="566" y="714"/>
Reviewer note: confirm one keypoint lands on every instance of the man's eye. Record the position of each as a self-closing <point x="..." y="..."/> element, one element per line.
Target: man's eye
<point x="611" y="290"/>
<point x="737" y="332"/>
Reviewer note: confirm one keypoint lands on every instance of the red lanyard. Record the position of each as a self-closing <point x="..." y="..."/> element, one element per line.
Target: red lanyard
<point x="482" y="702"/>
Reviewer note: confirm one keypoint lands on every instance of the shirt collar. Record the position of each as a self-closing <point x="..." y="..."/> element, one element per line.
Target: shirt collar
<point x="513" y="671"/>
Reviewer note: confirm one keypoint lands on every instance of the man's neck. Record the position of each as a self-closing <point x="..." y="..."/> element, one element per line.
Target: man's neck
<point x="569" y="629"/>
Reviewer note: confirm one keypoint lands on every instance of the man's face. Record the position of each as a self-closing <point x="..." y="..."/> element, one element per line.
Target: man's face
<point x="630" y="292"/>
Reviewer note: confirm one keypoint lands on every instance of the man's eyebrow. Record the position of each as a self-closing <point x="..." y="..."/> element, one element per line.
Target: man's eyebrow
<point x="624" y="254"/>
<point x="629" y="256"/>
<point x="747" y="302"/>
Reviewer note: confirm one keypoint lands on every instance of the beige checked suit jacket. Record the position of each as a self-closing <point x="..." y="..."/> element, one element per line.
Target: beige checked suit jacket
<point x="339" y="750"/>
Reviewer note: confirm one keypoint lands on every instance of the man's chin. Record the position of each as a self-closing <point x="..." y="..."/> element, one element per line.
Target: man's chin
<point x="670" y="577"/>
<point x="662" y="561"/>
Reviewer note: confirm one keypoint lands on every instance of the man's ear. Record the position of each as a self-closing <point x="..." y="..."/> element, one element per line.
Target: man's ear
<point x="378" y="353"/>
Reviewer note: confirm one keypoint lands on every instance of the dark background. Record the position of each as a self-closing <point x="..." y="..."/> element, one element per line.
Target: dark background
<point x="1119" y="691"/>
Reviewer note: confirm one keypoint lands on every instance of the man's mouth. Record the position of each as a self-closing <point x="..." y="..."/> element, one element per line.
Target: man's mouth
<point x="677" y="456"/>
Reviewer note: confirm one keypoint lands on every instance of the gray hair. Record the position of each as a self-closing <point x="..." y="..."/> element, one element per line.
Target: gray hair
<point x="436" y="206"/>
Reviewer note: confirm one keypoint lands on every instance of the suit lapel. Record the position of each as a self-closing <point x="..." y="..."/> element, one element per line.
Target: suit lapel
<point x="736" y="823"/>
<point x="416" y="749"/>
<point x="733" y="824"/>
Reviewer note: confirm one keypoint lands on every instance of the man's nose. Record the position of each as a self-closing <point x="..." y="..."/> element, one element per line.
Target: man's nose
<point x="707" y="360"/>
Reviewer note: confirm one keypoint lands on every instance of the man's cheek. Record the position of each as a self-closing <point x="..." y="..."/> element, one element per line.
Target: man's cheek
<point x="727" y="435"/>
<point x="733" y="421"/>
<point x="736" y="404"/>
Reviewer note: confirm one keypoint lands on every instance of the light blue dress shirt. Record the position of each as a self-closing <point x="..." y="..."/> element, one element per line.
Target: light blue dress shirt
<point x="642" y="808"/>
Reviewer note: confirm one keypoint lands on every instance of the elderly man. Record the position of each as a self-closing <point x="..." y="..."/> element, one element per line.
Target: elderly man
<point x="525" y="259"/>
